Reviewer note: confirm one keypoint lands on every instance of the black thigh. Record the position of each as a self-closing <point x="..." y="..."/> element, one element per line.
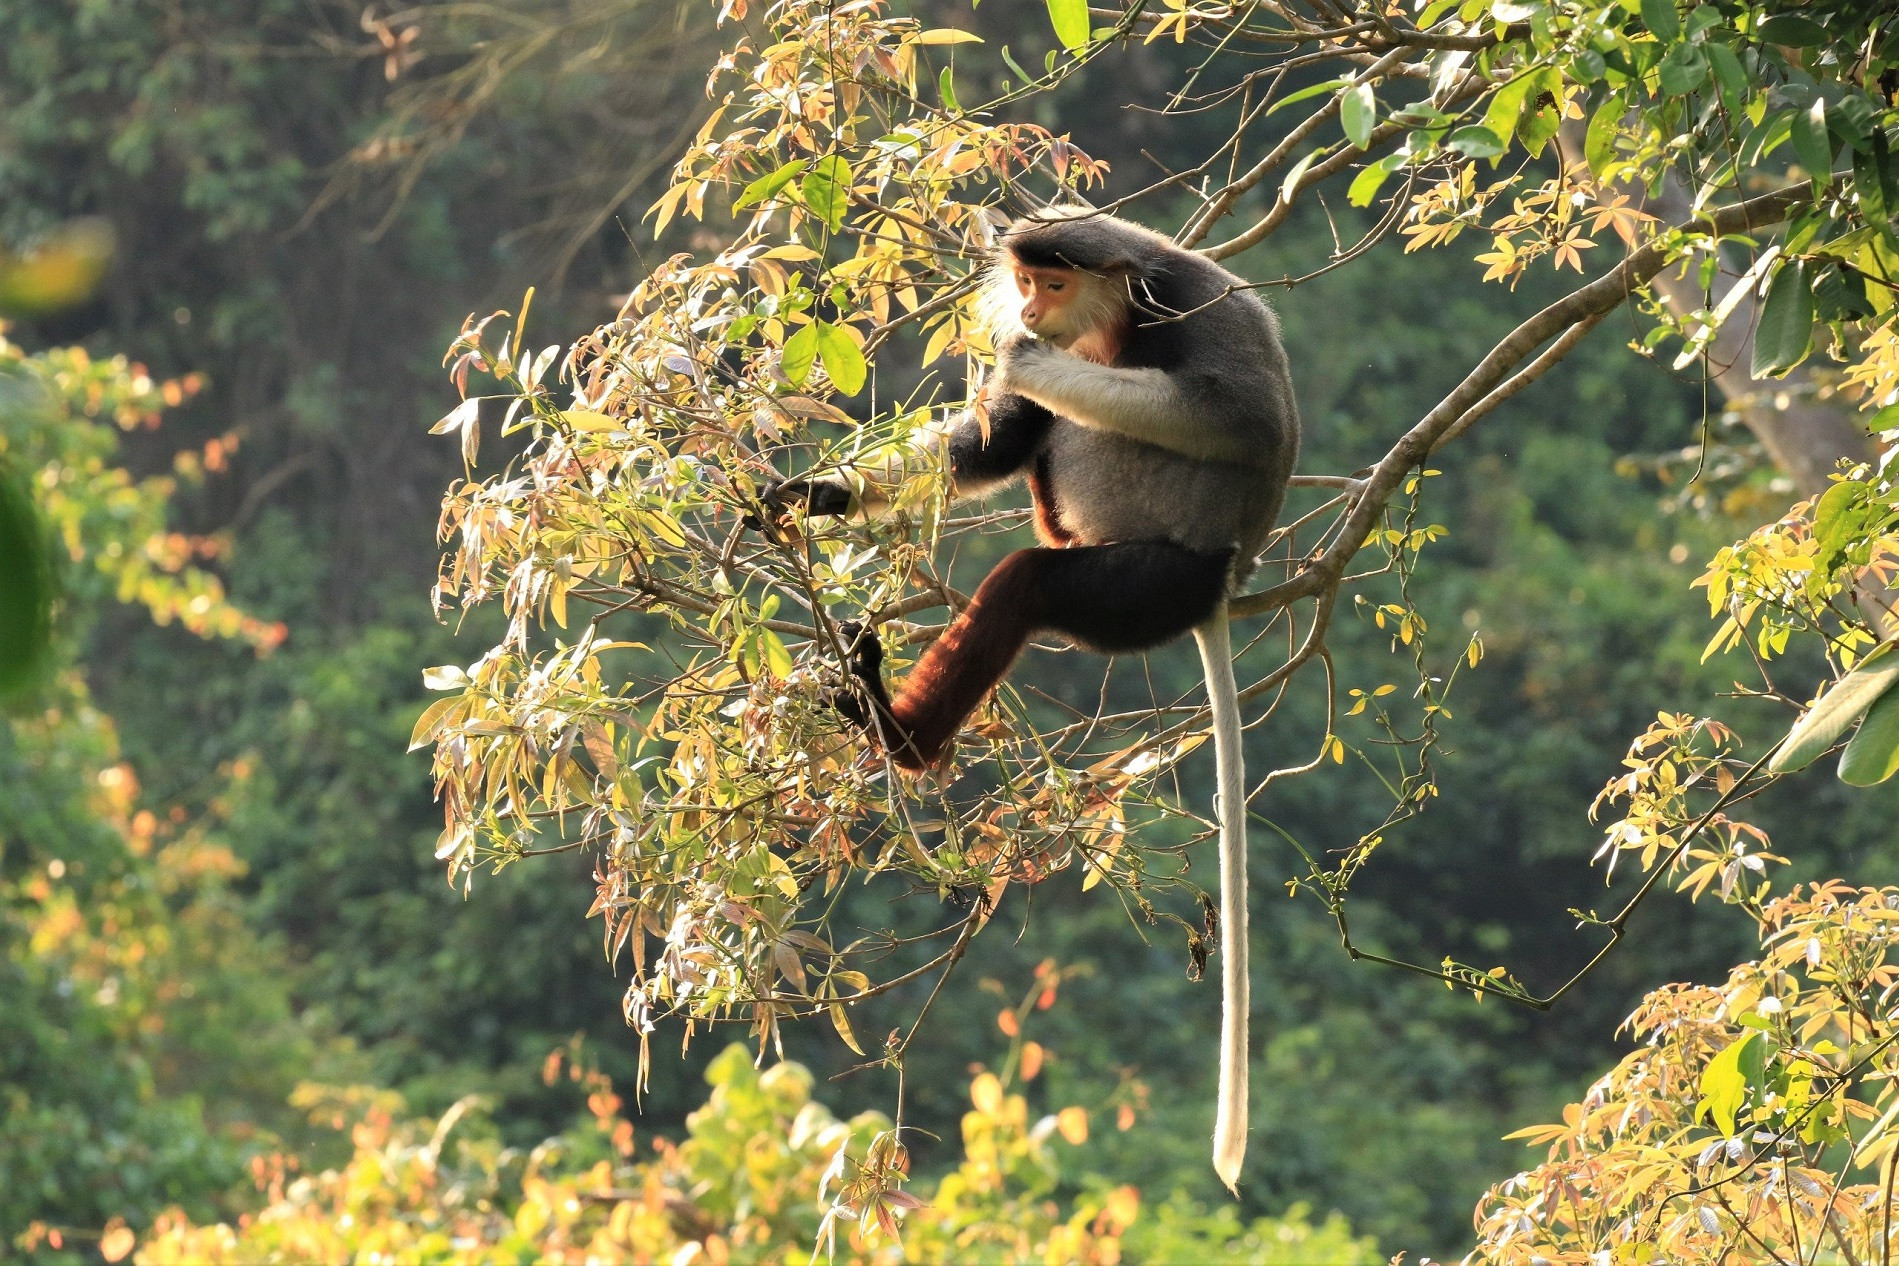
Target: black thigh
<point x="1128" y="596"/>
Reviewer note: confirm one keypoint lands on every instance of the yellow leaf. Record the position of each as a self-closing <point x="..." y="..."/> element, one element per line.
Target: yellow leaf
<point x="842" y="1024"/>
<point x="588" y="420"/>
<point x="948" y="35"/>
<point x="116" y="1242"/>
<point x="1073" y="1124"/>
<point x="430" y="722"/>
<point x="986" y="1093"/>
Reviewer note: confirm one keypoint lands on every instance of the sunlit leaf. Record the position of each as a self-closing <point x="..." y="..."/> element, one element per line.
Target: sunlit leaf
<point x="827" y="190"/>
<point x="1358" y="114"/>
<point x="1070" y="20"/>
<point x="948" y="35"/>
<point x="770" y="185"/>
<point x="1873" y="754"/>
<point x="1724" y="1086"/>
<point x="1845" y="703"/>
<point x="800" y="354"/>
<point x="843" y="359"/>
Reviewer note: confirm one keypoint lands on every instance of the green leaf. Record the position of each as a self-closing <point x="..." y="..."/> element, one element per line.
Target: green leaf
<point x="1813" y="143"/>
<point x="1683" y="70"/>
<point x="1070" y="19"/>
<point x="1785" y="332"/>
<point x="1727" y="69"/>
<point x="1662" y="20"/>
<point x="1011" y="63"/>
<point x="1836" y="710"/>
<point x="946" y="85"/>
<point x="1366" y="185"/>
<point x="827" y="190"/>
<point x="1873" y="755"/>
<point x="1599" y="141"/>
<point x="801" y="352"/>
<point x="1506" y="108"/>
<point x="769" y="186"/>
<point x="1869" y="184"/>
<point x="1791" y="30"/>
<point x="1358" y="112"/>
<point x="1724" y="1086"/>
<point x="843" y="359"/>
<point x="1476" y="141"/>
<point x="1313" y="90"/>
<point x="1290" y="185"/>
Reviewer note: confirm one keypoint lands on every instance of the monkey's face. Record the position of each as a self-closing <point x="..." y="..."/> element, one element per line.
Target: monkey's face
<point x="1051" y="302"/>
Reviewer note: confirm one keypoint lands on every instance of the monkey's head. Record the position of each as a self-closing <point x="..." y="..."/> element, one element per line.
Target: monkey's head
<point x="1063" y="274"/>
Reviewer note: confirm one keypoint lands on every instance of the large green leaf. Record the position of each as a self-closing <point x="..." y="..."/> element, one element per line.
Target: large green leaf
<point x="1070" y="19"/>
<point x="1786" y="326"/>
<point x="1873" y="755"/>
<point x="1661" y="19"/>
<point x="1836" y="711"/>
<point x="801" y="352"/>
<point x="843" y="360"/>
<point x="827" y="190"/>
<point x="769" y="185"/>
<point x="1724" y="1086"/>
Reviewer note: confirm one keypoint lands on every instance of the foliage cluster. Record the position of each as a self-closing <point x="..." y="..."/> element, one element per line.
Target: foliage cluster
<point x="150" y="1042"/>
<point x="763" y="1171"/>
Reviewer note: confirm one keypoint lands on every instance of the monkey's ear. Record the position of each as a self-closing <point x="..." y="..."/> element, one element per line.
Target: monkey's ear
<point x="1120" y="266"/>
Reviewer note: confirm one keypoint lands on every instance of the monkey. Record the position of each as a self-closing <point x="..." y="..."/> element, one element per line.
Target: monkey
<point x="1143" y="394"/>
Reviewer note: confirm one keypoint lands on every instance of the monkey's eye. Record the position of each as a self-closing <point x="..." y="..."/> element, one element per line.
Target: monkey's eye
<point x="1056" y="285"/>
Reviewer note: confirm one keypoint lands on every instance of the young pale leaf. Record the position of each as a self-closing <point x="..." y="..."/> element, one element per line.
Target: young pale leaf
<point x="843" y="360"/>
<point x="1070" y="20"/>
<point x="1873" y="755"/>
<point x="801" y="352"/>
<point x="1662" y="20"/>
<point x="1837" y="709"/>
<point x="1358" y="112"/>
<point x="1785" y="331"/>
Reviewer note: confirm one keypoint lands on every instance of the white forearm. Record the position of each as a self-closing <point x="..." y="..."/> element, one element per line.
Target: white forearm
<point x="1142" y="404"/>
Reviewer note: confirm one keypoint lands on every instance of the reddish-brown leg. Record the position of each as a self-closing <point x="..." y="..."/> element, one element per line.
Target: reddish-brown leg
<point x="965" y="664"/>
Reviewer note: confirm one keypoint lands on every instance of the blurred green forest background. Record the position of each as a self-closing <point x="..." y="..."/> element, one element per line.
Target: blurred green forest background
<point x="216" y="880"/>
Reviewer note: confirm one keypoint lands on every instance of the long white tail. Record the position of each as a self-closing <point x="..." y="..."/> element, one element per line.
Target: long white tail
<point x="1229" y="1122"/>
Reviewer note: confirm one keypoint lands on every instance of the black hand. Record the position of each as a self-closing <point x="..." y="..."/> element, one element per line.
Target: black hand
<point x="820" y="497"/>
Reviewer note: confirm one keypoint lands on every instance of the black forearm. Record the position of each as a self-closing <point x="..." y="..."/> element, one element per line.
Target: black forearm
<point x="980" y="456"/>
